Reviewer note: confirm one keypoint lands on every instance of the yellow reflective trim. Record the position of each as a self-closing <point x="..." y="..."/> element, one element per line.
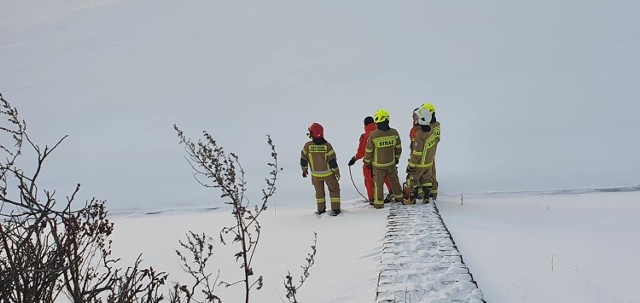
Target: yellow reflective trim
<point x="321" y="171"/>
<point x="334" y="200"/>
<point x="417" y="153"/>
<point x="368" y="150"/>
<point x="386" y="141"/>
<point x="311" y="164"/>
<point x="320" y="175"/>
<point x="431" y="141"/>
<point x="320" y="201"/>
<point x="331" y="152"/>
<point x="409" y="181"/>
<point x="423" y="165"/>
<point x="318" y="148"/>
<point x="383" y="165"/>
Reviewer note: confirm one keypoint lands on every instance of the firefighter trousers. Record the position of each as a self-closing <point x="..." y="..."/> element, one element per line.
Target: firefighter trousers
<point x="334" y="192"/>
<point x="421" y="176"/>
<point x="434" y="181"/>
<point x="379" y="174"/>
<point x="369" y="184"/>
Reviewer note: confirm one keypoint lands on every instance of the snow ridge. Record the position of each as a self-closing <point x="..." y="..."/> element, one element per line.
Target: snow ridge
<point x="420" y="261"/>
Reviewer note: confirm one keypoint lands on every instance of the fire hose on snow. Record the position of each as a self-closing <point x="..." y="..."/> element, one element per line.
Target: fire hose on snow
<point x="354" y="185"/>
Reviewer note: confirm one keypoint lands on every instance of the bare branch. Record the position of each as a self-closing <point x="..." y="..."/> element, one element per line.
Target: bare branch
<point x="46" y="250"/>
<point x="214" y="168"/>
<point x="291" y="288"/>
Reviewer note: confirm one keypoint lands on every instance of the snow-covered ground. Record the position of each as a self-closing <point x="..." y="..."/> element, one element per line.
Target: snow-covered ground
<point x="519" y="247"/>
<point x="550" y="248"/>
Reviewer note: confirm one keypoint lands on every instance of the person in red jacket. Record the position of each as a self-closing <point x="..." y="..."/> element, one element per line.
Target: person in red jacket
<point x="369" y="126"/>
<point x="415" y="127"/>
<point x="412" y="136"/>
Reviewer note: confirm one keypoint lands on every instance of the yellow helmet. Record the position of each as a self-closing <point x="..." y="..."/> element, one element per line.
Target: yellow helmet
<point x="430" y="107"/>
<point x="381" y="116"/>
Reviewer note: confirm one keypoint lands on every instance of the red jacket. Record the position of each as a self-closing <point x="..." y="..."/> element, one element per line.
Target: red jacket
<point x="412" y="133"/>
<point x="363" y="140"/>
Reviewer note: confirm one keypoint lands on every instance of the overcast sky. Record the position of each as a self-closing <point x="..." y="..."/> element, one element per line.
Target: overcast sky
<point x="530" y="94"/>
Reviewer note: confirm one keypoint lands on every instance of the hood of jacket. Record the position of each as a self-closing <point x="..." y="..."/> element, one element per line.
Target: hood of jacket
<point x="370" y="127"/>
<point x="319" y="141"/>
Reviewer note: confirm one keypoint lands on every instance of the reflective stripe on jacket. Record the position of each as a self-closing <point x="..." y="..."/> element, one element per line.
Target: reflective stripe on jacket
<point x="383" y="148"/>
<point x="424" y="146"/>
<point x="318" y="157"/>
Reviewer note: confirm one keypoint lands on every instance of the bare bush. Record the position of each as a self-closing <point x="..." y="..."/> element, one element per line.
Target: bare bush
<point x="51" y="249"/>
<point x="214" y="168"/>
<point x="292" y="288"/>
<point x="198" y="251"/>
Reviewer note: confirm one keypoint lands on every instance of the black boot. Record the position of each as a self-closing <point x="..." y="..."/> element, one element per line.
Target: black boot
<point x="334" y="212"/>
<point x="427" y="193"/>
<point x="320" y="212"/>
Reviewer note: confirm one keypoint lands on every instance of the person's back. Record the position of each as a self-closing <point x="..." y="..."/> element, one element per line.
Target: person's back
<point x="382" y="154"/>
<point x="369" y="127"/>
<point x="435" y="125"/>
<point x="425" y="145"/>
<point x="386" y="146"/>
<point x="319" y="156"/>
<point x="420" y="168"/>
<point x="318" y="152"/>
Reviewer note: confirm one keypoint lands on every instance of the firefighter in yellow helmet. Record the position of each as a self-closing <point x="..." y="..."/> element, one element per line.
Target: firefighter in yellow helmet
<point x="382" y="154"/>
<point x="429" y="106"/>
<point x="435" y="125"/>
<point x="319" y="156"/>
<point x="423" y="152"/>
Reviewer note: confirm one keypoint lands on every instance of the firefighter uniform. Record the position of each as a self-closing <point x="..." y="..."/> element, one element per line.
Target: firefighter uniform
<point x="382" y="153"/>
<point x="319" y="157"/>
<point x="434" y="180"/>
<point x="367" y="172"/>
<point x="421" y="161"/>
<point x="412" y="135"/>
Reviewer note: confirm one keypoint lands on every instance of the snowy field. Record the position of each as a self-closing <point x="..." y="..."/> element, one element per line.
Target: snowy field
<point x="529" y="247"/>
<point x="545" y="247"/>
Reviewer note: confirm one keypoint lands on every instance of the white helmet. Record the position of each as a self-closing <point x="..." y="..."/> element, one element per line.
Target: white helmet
<point x="424" y="116"/>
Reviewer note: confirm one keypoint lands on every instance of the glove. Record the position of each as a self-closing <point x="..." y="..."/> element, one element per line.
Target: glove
<point x="409" y="170"/>
<point x="397" y="161"/>
<point x="352" y="161"/>
<point x="337" y="175"/>
<point x="368" y="165"/>
<point x="304" y="173"/>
